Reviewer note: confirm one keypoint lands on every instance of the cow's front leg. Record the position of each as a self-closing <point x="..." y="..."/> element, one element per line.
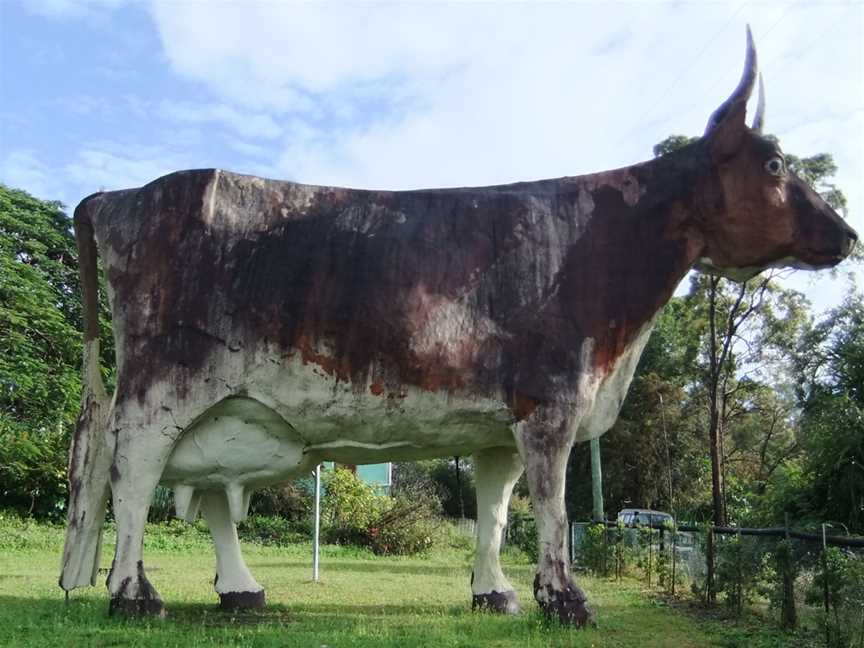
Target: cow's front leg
<point x="234" y="583"/>
<point x="544" y="443"/>
<point x="139" y="458"/>
<point x="496" y="471"/>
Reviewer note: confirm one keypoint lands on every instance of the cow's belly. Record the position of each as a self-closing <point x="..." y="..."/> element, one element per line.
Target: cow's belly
<point x="367" y="423"/>
<point x="242" y="441"/>
<point x="237" y="441"/>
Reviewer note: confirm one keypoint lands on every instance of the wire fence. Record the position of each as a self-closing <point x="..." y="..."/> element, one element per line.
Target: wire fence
<point x="793" y="571"/>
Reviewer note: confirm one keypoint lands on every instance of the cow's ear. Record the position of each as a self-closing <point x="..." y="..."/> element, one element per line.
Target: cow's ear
<point x="727" y="125"/>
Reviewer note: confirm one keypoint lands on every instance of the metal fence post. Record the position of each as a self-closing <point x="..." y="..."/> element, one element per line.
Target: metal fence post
<point x="650" y="551"/>
<point x="316" y="549"/>
<point x="674" y="556"/>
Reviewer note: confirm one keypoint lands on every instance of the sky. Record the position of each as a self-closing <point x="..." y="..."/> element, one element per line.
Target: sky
<point x="105" y="94"/>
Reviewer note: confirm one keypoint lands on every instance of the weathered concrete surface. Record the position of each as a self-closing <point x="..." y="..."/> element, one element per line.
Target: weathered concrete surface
<point x="262" y="326"/>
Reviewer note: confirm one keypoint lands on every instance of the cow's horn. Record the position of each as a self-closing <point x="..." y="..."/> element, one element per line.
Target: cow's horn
<point x="759" y="118"/>
<point x="738" y="99"/>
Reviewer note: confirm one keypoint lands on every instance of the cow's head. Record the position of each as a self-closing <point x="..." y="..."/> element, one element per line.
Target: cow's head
<point x="756" y="213"/>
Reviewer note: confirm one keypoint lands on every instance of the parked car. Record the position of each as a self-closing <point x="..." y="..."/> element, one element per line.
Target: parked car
<point x="632" y="517"/>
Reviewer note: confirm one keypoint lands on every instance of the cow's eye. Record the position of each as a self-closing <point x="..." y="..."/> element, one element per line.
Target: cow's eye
<point x="775" y="166"/>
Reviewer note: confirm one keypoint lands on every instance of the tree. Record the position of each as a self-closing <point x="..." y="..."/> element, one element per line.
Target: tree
<point x="40" y="349"/>
<point x="730" y="309"/>
<point x="831" y="396"/>
<point x="655" y="432"/>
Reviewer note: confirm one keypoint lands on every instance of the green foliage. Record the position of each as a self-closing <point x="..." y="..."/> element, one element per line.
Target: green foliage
<point x="596" y="552"/>
<point x="40" y="350"/>
<point x="673" y="143"/>
<point x="840" y="577"/>
<point x="646" y="552"/>
<point x="162" y="505"/>
<point x="275" y="530"/>
<point x="656" y="425"/>
<point x="830" y="364"/>
<point x="439" y="477"/>
<point x="291" y="501"/>
<point x="782" y="569"/>
<point x="354" y="513"/>
<point x="522" y="527"/>
<point x="739" y="570"/>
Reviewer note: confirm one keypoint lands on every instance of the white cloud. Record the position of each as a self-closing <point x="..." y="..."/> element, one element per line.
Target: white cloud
<point x="23" y="169"/>
<point x="407" y="95"/>
<point x="105" y="167"/>
<point x="245" y="123"/>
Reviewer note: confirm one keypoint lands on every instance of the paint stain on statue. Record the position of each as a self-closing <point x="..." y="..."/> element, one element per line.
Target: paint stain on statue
<point x="144" y="601"/>
<point x="346" y="268"/>
<point x="242" y="600"/>
<point x="569" y="604"/>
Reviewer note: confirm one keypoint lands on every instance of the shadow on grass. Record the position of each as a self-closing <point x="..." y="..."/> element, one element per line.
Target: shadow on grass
<point x="345" y="566"/>
<point x="90" y="611"/>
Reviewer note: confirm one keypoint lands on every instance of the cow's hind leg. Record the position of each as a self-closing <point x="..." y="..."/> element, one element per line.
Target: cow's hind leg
<point x="234" y="583"/>
<point x="545" y="447"/>
<point x="140" y="454"/>
<point x="496" y="470"/>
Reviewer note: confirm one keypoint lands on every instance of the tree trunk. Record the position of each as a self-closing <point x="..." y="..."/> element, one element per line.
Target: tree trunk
<point x="459" y="490"/>
<point x="715" y="429"/>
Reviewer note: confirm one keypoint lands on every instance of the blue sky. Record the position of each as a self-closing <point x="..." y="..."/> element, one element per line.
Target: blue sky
<point x="108" y="94"/>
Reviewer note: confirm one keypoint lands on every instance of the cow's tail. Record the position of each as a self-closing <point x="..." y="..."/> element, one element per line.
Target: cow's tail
<point x="89" y="455"/>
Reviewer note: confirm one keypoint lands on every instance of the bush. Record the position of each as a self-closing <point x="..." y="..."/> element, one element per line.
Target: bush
<point x="596" y="552"/>
<point x="739" y="568"/>
<point x="842" y="575"/>
<point x="354" y="514"/>
<point x="274" y="530"/>
<point x="33" y="469"/>
<point x="782" y="569"/>
<point x="291" y="501"/>
<point x="522" y="528"/>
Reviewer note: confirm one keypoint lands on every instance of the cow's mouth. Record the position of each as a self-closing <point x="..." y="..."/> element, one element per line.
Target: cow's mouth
<point x="807" y="260"/>
<point x="811" y="259"/>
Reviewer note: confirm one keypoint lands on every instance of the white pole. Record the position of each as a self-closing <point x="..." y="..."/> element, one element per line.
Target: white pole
<point x="317" y="532"/>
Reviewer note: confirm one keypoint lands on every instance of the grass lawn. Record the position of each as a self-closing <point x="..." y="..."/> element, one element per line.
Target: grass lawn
<point x="362" y="600"/>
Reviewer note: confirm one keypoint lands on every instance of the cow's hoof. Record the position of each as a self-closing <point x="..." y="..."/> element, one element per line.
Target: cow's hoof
<point x="500" y="602"/>
<point x="242" y="600"/>
<point x="136" y="607"/>
<point x="570" y="612"/>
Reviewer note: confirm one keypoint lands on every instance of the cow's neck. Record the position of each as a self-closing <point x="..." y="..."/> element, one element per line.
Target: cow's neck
<point x="638" y="244"/>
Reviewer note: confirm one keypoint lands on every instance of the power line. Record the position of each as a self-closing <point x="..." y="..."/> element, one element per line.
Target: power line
<point x="664" y="96"/>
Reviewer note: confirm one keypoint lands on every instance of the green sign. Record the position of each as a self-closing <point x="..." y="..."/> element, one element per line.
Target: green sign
<point x="379" y="475"/>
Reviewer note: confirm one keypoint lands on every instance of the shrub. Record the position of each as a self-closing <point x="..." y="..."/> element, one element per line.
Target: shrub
<point x="522" y="528"/>
<point x="842" y="575"/>
<point x="354" y="514"/>
<point x="596" y="552"/>
<point x="782" y="569"/>
<point x="739" y="568"/>
<point x="33" y="469"/>
<point x="291" y="501"/>
<point x="275" y="530"/>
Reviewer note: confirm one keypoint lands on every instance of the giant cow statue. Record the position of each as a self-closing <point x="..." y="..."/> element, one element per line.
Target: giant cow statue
<point x="264" y="326"/>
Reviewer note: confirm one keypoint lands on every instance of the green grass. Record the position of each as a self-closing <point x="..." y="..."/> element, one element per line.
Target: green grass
<point x="362" y="600"/>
